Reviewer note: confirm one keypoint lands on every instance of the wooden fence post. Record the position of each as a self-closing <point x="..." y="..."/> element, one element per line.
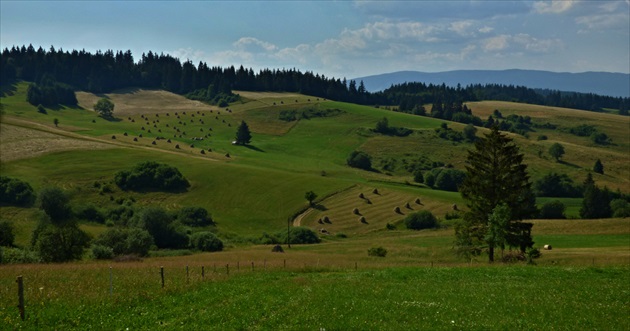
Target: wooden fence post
<point x="227" y="269"/>
<point x="111" y="282"/>
<point x="252" y="265"/>
<point x="162" y="275"/>
<point x="187" y="275"/>
<point x="285" y="263"/>
<point x="203" y="274"/>
<point x="20" y="284"/>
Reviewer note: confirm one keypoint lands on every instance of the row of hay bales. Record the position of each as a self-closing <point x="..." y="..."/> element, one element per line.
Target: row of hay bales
<point x="375" y="191"/>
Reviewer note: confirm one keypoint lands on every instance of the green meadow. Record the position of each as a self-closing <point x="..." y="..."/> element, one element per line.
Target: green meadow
<point x="582" y="283"/>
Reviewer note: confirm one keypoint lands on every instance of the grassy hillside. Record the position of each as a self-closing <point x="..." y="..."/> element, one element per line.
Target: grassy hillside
<point x="257" y="187"/>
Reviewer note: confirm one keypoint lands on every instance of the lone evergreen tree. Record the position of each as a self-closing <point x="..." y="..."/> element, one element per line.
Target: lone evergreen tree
<point x="495" y="176"/>
<point x="243" y="136"/>
<point x="598" y="167"/>
<point x="310" y="196"/>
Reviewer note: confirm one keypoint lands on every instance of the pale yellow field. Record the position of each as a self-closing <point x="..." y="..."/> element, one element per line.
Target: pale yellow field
<point x="21" y="143"/>
<point x="141" y="101"/>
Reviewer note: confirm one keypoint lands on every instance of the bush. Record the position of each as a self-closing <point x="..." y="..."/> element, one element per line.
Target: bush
<point x="6" y="234"/>
<point x="360" y="160"/>
<point x="194" y="216"/>
<point x="100" y="252"/>
<point x="89" y="212"/>
<point x="553" y="210"/>
<point x="377" y="251"/>
<point x="15" y="192"/>
<point x="620" y="208"/>
<point x="165" y="232"/>
<point x="417" y="177"/>
<point x="206" y="241"/>
<point x="9" y="255"/>
<point x="299" y="235"/>
<point x="421" y="220"/>
<point x="556" y="185"/>
<point x="151" y="175"/>
<point x="600" y="138"/>
<point x="60" y="243"/>
<point x="126" y="241"/>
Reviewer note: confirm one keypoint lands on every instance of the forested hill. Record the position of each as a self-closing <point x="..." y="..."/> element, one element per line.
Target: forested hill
<point x="57" y="72"/>
<point x="604" y="83"/>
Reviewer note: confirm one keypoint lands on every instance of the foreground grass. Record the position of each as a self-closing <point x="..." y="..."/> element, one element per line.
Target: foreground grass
<point x="477" y="298"/>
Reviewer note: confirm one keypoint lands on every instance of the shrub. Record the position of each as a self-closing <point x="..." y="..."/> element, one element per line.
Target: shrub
<point x="377" y="251"/>
<point x="360" y="160"/>
<point x="600" y="138"/>
<point x="299" y="235"/>
<point x="6" y="234"/>
<point x="620" y="208"/>
<point x="165" y="232"/>
<point x="542" y="137"/>
<point x="206" y="241"/>
<point x="151" y="175"/>
<point x="421" y="220"/>
<point x="194" y="216"/>
<point x="418" y="177"/>
<point x="60" y="243"/>
<point x="89" y="212"/>
<point x="100" y="252"/>
<point x="126" y="241"/>
<point x="553" y="210"/>
<point x="10" y="255"/>
<point x="15" y="192"/>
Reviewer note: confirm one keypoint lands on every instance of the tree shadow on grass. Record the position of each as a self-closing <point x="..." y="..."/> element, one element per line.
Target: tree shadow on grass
<point x="569" y="164"/>
<point x="320" y="207"/>
<point x="254" y="148"/>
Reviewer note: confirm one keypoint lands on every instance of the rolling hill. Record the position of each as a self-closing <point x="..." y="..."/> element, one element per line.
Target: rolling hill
<point x="254" y="189"/>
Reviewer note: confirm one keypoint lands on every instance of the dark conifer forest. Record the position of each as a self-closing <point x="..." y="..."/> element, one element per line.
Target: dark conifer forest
<point x="55" y="73"/>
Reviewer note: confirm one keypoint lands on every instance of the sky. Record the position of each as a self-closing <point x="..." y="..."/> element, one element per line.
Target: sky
<point x="338" y="38"/>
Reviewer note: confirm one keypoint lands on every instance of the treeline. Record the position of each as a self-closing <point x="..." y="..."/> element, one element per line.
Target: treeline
<point x="409" y="95"/>
<point x="104" y="72"/>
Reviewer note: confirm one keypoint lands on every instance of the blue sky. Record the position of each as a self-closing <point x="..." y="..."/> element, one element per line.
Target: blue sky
<point x="338" y="38"/>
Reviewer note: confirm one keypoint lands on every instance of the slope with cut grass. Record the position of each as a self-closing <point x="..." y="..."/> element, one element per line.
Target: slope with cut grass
<point x="255" y="188"/>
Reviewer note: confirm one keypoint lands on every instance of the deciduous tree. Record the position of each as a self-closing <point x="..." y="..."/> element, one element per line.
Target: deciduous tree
<point x="104" y="107"/>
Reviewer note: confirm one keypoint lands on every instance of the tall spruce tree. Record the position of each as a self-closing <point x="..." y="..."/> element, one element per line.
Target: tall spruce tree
<point x="496" y="175"/>
<point x="243" y="136"/>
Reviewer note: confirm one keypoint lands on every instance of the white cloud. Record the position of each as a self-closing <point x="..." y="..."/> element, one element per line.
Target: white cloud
<point x="496" y="43"/>
<point x="245" y="42"/>
<point x="604" y="21"/>
<point x="486" y="29"/>
<point x="189" y="53"/>
<point x="461" y="27"/>
<point x="553" y="6"/>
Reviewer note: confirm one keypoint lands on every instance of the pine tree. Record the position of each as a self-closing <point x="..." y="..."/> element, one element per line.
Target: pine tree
<point x="598" y="167"/>
<point x="243" y="136"/>
<point x="495" y="175"/>
<point x="596" y="202"/>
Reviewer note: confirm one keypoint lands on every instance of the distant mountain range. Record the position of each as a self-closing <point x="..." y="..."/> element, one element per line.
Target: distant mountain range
<point x="603" y="83"/>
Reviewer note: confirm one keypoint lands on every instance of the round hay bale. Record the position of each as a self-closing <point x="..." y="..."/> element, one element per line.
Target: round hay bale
<point x="375" y="191"/>
<point x="455" y="207"/>
<point x="168" y="141"/>
<point x="203" y="152"/>
<point x="319" y="221"/>
<point x="227" y="155"/>
<point x="93" y="121"/>
<point x="113" y="137"/>
<point x="177" y="146"/>
<point x="397" y="210"/>
<point x="326" y="220"/>
<point x="368" y="201"/>
<point x="356" y="211"/>
<point x="363" y="220"/>
<point x="125" y="134"/>
<point x="135" y="139"/>
<point x="153" y="143"/>
<point x="140" y="135"/>
<point x="361" y="196"/>
<point x="133" y="121"/>
<point x="277" y="249"/>
<point x="407" y="205"/>
<point x="418" y="201"/>
<point x="547" y="247"/>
